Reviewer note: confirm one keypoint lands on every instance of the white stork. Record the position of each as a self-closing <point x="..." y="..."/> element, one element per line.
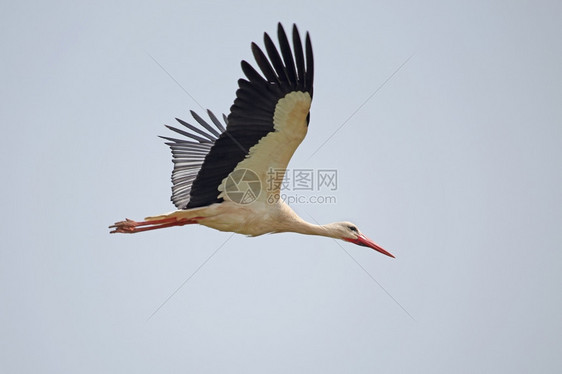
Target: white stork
<point x="266" y="124"/>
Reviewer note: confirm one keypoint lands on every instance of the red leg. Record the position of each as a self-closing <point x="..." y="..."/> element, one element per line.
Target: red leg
<point x="130" y="227"/>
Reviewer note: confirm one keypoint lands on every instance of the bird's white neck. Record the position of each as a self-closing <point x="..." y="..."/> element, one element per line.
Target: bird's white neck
<point x="303" y="227"/>
<point x="291" y="222"/>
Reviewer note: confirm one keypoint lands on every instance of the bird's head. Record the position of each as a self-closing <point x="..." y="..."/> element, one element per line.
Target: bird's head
<point x="350" y="233"/>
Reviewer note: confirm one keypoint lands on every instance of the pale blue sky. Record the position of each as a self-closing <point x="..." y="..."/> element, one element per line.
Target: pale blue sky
<point x="453" y="166"/>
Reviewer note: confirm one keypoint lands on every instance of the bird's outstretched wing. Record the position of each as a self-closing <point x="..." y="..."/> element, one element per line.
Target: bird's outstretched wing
<point x="189" y="154"/>
<point x="266" y="124"/>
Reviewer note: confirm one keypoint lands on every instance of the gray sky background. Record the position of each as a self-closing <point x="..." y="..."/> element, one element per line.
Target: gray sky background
<point x="453" y="166"/>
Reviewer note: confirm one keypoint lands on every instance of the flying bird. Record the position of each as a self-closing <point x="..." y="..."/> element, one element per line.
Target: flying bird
<point x="228" y="176"/>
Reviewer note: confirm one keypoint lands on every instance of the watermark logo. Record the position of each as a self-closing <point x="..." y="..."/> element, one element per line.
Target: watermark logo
<point x="302" y="179"/>
<point x="243" y="186"/>
<point x="299" y="186"/>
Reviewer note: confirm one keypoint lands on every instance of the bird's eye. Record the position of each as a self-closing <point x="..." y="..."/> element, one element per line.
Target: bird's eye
<point x="352" y="228"/>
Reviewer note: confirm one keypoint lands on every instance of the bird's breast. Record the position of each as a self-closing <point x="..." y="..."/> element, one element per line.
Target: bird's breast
<point x="252" y="219"/>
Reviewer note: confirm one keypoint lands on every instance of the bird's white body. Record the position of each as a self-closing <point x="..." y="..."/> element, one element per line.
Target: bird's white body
<point x="252" y="219"/>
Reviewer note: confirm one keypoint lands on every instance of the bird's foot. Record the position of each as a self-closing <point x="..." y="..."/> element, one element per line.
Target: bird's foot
<point x="128" y="226"/>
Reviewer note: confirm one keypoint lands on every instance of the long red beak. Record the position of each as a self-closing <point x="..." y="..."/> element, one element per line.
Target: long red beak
<point x="362" y="240"/>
